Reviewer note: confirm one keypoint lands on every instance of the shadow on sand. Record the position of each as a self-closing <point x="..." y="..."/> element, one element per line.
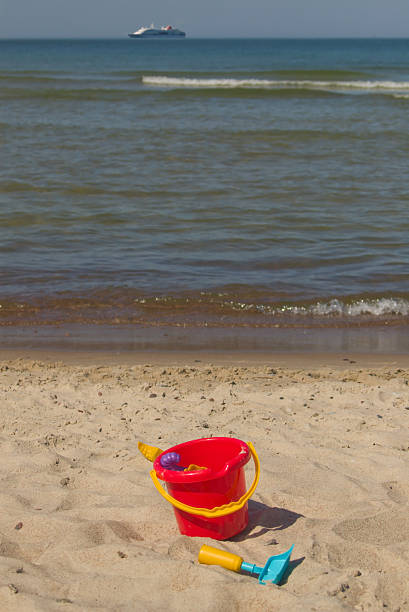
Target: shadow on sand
<point x="291" y="567"/>
<point x="267" y="519"/>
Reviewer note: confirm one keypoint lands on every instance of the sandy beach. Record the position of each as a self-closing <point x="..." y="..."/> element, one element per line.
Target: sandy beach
<point x="82" y="527"/>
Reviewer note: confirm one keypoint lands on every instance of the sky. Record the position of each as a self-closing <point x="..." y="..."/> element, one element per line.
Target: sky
<point x="205" y="18"/>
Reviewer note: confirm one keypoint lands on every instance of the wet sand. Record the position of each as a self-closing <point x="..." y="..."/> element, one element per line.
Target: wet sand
<point x="222" y="339"/>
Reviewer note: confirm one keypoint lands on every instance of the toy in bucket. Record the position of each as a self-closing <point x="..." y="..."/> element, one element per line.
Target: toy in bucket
<point x="209" y="495"/>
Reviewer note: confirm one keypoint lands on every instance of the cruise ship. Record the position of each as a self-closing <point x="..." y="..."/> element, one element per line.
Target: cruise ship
<point x="152" y="32"/>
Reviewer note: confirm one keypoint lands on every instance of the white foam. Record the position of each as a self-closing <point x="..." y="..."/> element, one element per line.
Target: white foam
<point x="375" y="308"/>
<point x="229" y="83"/>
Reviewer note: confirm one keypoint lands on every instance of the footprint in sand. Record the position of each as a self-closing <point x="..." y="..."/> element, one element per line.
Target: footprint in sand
<point x="391" y="527"/>
<point x="125" y="531"/>
<point x="184" y="548"/>
<point x="397" y="492"/>
<point x="102" y="532"/>
<point x="10" y="549"/>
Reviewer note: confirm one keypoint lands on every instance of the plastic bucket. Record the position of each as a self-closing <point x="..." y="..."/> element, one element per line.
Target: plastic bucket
<point x="211" y="502"/>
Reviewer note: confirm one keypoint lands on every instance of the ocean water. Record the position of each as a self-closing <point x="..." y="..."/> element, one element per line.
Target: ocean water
<point x="204" y="182"/>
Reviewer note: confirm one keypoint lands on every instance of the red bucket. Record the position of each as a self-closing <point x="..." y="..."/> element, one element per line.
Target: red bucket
<point x="211" y="502"/>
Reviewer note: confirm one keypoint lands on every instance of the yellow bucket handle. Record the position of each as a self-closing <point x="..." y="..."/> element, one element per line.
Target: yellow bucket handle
<point x="219" y="510"/>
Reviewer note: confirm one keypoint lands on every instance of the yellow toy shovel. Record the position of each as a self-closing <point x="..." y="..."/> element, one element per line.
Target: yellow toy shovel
<point x="272" y="572"/>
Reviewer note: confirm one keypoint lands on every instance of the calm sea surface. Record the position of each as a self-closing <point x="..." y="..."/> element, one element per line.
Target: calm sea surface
<point x="219" y="182"/>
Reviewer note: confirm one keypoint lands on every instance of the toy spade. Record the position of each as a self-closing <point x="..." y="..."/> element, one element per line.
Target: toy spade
<point x="272" y="572"/>
<point x="149" y="452"/>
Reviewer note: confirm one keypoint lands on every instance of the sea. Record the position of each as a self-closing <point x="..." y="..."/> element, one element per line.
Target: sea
<point x="253" y="184"/>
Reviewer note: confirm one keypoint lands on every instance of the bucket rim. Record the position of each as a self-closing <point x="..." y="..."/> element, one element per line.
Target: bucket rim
<point x="173" y="476"/>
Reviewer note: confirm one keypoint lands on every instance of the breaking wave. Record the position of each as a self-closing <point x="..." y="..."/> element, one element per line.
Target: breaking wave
<point x="201" y="309"/>
<point x="377" y="308"/>
<point x="372" y="308"/>
<point x="230" y="83"/>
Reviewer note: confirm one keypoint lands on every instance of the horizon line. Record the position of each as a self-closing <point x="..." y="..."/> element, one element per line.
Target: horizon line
<point x="201" y="37"/>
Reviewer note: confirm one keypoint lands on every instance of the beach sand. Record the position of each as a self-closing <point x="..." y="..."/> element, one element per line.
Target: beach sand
<point x="83" y="528"/>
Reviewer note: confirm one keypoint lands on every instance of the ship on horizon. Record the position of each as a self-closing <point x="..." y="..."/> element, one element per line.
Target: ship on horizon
<point x="163" y="32"/>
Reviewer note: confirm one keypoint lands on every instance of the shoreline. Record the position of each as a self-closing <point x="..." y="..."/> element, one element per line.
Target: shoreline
<point x="87" y="344"/>
<point x="290" y="360"/>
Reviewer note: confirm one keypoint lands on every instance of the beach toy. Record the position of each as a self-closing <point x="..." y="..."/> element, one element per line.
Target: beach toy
<point x="149" y="452"/>
<point x="171" y="461"/>
<point x="272" y="572"/>
<point x="167" y="460"/>
<point x="208" y="501"/>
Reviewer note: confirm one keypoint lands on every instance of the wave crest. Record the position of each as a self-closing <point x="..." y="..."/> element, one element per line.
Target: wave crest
<point x="335" y="308"/>
<point x="231" y="83"/>
<point x="378" y="308"/>
<point x="382" y="307"/>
